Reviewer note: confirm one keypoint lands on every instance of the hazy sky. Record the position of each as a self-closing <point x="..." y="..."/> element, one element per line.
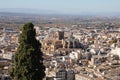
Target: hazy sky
<point x="65" y="6"/>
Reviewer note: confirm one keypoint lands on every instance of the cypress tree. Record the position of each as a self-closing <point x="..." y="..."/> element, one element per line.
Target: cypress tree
<point x="28" y="61"/>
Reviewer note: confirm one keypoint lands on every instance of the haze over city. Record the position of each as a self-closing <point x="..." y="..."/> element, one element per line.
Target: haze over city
<point x="61" y="6"/>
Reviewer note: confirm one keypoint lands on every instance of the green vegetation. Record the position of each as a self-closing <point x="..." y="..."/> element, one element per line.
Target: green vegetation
<point x="28" y="61"/>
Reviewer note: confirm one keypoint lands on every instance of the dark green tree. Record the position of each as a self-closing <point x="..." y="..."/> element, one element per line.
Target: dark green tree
<point x="28" y="61"/>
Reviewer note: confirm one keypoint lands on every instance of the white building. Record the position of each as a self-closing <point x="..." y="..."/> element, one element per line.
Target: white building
<point x="8" y="55"/>
<point x="74" y="55"/>
<point x="115" y="51"/>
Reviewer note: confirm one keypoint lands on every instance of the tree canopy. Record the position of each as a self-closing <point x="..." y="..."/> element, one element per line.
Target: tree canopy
<point x="28" y="61"/>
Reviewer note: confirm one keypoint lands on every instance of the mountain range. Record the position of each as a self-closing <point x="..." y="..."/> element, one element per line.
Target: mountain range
<point x="28" y="11"/>
<point x="51" y="12"/>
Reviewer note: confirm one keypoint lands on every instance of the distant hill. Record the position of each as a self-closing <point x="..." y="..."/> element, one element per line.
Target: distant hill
<point x="16" y="14"/>
<point x="24" y="12"/>
<point x="27" y="11"/>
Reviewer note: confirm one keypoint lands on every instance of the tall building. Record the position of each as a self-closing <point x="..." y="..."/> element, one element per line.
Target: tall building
<point x="61" y="75"/>
<point x="65" y="75"/>
<point x="59" y="35"/>
<point x="56" y="41"/>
